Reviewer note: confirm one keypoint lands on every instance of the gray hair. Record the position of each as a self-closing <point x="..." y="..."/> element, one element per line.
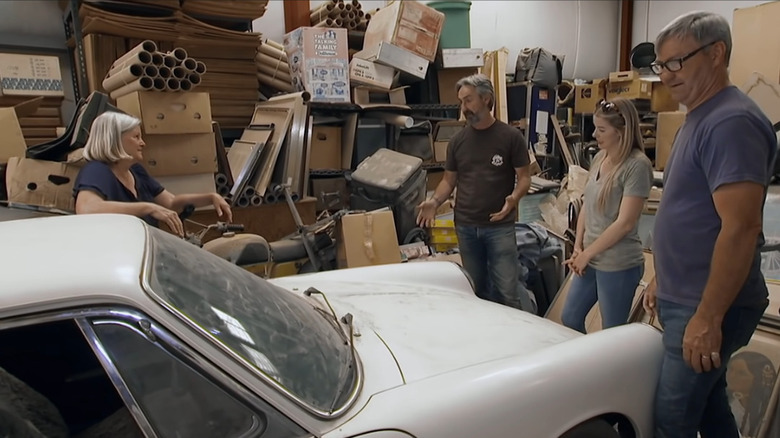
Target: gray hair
<point x="482" y="84"/>
<point x="105" y="137"/>
<point x="704" y="27"/>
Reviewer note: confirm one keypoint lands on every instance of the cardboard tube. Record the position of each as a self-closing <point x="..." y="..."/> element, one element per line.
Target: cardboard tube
<point x="249" y="192"/>
<point x="256" y="200"/>
<point x="159" y="84"/>
<point x="272" y="52"/>
<point x="157" y="59"/>
<point x="338" y="22"/>
<point x="328" y="22"/>
<point x="141" y="84"/>
<point x="351" y="24"/>
<point x="281" y="64"/>
<point x="356" y="4"/>
<point x="277" y="73"/>
<point x="170" y="61"/>
<point x="190" y="64"/>
<point x="194" y="79"/>
<point x="142" y="57"/>
<point x="343" y="15"/>
<point x="147" y="45"/>
<point x="242" y="202"/>
<point x="185" y="85"/>
<point x="360" y="14"/>
<point x="200" y="68"/>
<point x="178" y="53"/>
<point x="221" y="179"/>
<point x="164" y="72"/>
<point x="394" y="119"/>
<point x="275" y="45"/>
<point x="275" y="83"/>
<point x="179" y="72"/>
<point x="124" y="77"/>
<point x="321" y="12"/>
<point x="172" y="84"/>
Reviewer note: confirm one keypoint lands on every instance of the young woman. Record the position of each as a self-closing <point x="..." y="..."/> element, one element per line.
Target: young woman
<point x="608" y="259"/>
<point x="113" y="180"/>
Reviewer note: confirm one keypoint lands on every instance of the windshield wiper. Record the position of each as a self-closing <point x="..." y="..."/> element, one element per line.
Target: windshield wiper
<point x="350" y="337"/>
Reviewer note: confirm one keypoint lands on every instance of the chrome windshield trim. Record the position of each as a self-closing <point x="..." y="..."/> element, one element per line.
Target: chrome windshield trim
<point x="116" y="378"/>
<point x="146" y="273"/>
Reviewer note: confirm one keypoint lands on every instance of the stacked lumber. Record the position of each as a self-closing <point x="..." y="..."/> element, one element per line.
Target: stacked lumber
<point x="146" y="68"/>
<point x="228" y="55"/>
<point x="273" y="70"/>
<point x="339" y="13"/>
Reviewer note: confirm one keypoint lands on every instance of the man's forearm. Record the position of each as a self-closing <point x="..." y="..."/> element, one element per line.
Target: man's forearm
<point x="521" y="188"/>
<point x="729" y="269"/>
<point x="442" y="192"/>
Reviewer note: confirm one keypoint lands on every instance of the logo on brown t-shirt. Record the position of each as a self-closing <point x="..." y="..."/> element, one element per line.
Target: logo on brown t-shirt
<point x="497" y="160"/>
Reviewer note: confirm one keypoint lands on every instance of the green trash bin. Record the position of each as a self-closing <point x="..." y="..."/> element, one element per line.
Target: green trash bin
<point x="456" y="33"/>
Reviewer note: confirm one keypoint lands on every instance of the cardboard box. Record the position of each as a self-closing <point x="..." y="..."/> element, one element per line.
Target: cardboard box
<point x="412" y="66"/>
<point x="755" y="37"/>
<point x="442" y="134"/>
<point x="319" y="62"/>
<point x="766" y="94"/>
<point x="372" y="74"/>
<point x="366" y="239"/>
<point x="369" y="96"/>
<point x="180" y="154"/>
<point x="661" y="99"/>
<point x="332" y="193"/>
<point x="628" y="85"/>
<point x="407" y="24"/>
<point x="47" y="184"/>
<point x="460" y="58"/>
<point x="666" y="129"/>
<point x="448" y="78"/>
<point x="30" y="75"/>
<point x="169" y="113"/>
<point x="12" y="142"/>
<point x="587" y="96"/>
<point x="183" y="184"/>
<point x="325" y="147"/>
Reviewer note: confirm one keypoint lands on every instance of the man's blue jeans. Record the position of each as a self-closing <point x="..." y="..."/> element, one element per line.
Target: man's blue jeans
<point x="489" y="255"/>
<point x="614" y="291"/>
<point x="687" y="402"/>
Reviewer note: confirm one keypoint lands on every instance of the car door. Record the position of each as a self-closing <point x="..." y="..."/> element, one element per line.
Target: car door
<point x="115" y="372"/>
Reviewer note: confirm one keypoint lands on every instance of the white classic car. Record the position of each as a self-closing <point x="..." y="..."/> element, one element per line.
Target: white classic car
<point x="111" y="328"/>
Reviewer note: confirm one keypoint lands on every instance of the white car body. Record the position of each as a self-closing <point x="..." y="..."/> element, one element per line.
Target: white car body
<point x="436" y="360"/>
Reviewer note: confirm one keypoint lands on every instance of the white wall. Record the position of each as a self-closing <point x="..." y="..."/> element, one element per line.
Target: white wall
<point x="650" y="16"/>
<point x="584" y="31"/>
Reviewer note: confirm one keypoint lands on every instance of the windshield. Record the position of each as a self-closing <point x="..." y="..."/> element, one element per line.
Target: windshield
<point x="284" y="336"/>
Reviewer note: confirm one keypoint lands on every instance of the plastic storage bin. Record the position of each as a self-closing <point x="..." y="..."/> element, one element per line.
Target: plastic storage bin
<point x="390" y="179"/>
<point x="456" y="33"/>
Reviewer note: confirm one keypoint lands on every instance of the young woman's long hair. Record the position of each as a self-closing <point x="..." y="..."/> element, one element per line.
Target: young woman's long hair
<point x="622" y="115"/>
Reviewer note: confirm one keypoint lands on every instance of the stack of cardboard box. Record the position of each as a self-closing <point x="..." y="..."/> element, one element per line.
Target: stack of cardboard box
<point x="180" y="145"/>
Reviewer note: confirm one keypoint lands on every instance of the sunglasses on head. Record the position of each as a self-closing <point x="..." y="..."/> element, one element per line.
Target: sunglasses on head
<point x="607" y="107"/>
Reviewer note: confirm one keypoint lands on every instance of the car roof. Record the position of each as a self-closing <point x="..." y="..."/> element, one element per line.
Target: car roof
<point x="55" y="261"/>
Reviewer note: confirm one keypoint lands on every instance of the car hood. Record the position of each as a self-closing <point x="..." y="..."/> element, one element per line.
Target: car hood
<point x="433" y="329"/>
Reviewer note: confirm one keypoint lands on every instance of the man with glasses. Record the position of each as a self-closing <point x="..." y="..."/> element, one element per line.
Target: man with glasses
<point x="710" y="294"/>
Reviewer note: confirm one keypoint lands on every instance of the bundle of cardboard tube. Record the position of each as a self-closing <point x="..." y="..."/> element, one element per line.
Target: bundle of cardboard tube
<point x="338" y="13"/>
<point x="273" y="70"/>
<point x="146" y="68"/>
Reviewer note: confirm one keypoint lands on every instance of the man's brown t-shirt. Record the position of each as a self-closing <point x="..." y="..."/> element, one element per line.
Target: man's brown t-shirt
<point x="485" y="161"/>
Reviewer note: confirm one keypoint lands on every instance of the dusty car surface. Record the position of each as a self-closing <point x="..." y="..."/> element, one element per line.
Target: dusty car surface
<point x="112" y="328"/>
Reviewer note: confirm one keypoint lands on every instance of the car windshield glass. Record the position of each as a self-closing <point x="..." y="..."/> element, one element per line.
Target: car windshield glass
<point x="284" y="336"/>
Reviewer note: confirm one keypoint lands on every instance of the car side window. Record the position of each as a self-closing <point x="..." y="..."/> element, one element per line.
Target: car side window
<point x="177" y="401"/>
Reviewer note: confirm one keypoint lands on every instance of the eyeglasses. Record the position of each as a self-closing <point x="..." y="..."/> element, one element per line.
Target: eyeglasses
<point x="676" y="64"/>
<point x="607" y="107"/>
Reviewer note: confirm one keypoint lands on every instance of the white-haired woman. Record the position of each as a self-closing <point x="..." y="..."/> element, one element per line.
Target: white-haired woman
<point x="114" y="181"/>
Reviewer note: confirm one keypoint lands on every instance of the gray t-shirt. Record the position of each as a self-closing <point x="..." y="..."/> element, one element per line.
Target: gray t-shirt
<point x="725" y="140"/>
<point x="633" y="178"/>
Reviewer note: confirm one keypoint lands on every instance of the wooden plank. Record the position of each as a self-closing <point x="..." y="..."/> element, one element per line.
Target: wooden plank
<point x="562" y="142"/>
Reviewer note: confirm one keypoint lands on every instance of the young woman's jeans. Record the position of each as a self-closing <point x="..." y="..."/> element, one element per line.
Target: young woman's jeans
<point x="614" y="291"/>
<point x="687" y="402"/>
<point x="489" y="255"/>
